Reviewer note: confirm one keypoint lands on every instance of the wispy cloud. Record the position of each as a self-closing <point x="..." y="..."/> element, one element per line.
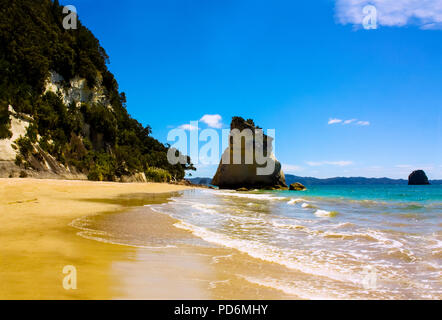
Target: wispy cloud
<point x="415" y="167"/>
<point x="334" y="121"/>
<point x="349" y="121"/>
<point x="212" y="120"/>
<point x="427" y="14"/>
<point x="331" y="163"/>
<point x="403" y="166"/>
<point x="363" y="123"/>
<point x="291" y="168"/>
<point x="188" y="127"/>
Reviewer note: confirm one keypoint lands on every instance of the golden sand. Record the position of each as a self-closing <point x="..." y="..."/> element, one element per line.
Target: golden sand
<point x="37" y="240"/>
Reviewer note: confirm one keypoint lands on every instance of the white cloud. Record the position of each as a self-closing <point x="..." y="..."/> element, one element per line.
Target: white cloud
<point x="334" y="121"/>
<point x="212" y="120"/>
<point x="331" y="163"/>
<point x="349" y="121"/>
<point x="291" y="168"/>
<point x="403" y="166"/>
<point x="427" y="14"/>
<point x="188" y="127"/>
<point x="415" y="167"/>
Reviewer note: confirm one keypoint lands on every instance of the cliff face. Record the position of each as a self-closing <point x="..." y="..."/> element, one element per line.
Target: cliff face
<point x="39" y="163"/>
<point x="76" y="91"/>
<point x="19" y="126"/>
<point x="242" y="166"/>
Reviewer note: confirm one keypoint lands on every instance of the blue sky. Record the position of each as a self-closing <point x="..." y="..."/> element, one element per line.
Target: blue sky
<point x="292" y="66"/>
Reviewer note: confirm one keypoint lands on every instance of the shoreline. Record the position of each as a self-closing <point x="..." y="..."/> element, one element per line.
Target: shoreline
<point x="39" y="237"/>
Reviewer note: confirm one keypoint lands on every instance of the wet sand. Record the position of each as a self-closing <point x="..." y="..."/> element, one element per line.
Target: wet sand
<point x="43" y="229"/>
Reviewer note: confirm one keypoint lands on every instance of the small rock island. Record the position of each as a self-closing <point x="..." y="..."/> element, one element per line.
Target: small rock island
<point x="418" y="178"/>
<point x="297" y="187"/>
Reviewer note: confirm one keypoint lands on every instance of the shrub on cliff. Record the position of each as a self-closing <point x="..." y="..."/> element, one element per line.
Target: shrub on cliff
<point x="157" y="175"/>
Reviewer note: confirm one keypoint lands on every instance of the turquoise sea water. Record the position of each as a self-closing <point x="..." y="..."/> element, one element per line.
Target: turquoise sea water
<point x="392" y="193"/>
<point x="343" y="241"/>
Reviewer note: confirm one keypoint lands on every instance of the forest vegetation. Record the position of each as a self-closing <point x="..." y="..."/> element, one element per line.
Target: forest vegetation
<point x="101" y="141"/>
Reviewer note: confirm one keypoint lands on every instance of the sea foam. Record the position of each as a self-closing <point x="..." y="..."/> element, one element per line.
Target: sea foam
<point x="250" y="196"/>
<point x="295" y="201"/>
<point x="273" y="254"/>
<point x="325" y="213"/>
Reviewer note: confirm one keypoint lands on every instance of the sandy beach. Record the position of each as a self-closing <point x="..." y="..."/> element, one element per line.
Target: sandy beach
<point x="37" y="242"/>
<point x="40" y="235"/>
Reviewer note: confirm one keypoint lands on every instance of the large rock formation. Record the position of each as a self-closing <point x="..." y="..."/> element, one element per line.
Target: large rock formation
<point x="242" y="164"/>
<point x="418" y="178"/>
